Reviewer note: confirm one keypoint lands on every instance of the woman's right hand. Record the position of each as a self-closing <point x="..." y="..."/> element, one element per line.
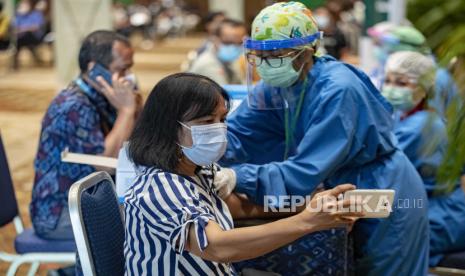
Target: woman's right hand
<point x="324" y="210"/>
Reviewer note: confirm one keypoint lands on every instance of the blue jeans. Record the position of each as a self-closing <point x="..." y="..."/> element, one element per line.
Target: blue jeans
<point x="63" y="230"/>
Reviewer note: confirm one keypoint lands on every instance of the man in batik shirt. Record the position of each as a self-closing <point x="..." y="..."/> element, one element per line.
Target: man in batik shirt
<point x="90" y="116"/>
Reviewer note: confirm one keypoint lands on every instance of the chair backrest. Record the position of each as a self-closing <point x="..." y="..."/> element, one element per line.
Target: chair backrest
<point x="98" y="225"/>
<point x="9" y="209"/>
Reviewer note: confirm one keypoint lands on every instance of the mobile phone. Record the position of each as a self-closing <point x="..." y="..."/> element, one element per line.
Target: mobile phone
<point x="100" y="70"/>
<point x="374" y="203"/>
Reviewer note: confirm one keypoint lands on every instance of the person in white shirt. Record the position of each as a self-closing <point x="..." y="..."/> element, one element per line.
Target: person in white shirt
<point x="219" y="61"/>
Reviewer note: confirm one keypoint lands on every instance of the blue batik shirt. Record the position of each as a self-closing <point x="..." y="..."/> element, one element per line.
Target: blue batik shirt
<point x="77" y="119"/>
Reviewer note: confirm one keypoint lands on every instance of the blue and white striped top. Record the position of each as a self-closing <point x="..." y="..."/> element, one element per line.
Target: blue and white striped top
<point x="160" y="207"/>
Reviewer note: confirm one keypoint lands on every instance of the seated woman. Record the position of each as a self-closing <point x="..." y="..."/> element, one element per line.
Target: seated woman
<point x="422" y="136"/>
<point x="176" y="223"/>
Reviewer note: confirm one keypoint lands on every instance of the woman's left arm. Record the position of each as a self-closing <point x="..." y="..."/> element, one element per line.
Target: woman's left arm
<point x="242" y="208"/>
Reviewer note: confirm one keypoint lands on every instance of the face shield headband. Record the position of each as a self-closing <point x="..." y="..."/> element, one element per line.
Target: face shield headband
<point x="269" y="45"/>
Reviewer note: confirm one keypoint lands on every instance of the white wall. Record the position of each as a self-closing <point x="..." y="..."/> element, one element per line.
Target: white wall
<point x="72" y="21"/>
<point x="397" y="10"/>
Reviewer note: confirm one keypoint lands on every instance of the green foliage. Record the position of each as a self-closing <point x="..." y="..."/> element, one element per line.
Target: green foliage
<point x="451" y="169"/>
<point x="312" y="4"/>
<point x="443" y="24"/>
<point x="124" y="2"/>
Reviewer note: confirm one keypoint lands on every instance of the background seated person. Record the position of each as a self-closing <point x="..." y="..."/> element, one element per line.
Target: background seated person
<point x="86" y="117"/>
<point x="210" y="24"/>
<point x="219" y="62"/>
<point x="4" y="29"/>
<point x="422" y="135"/>
<point x="29" y="27"/>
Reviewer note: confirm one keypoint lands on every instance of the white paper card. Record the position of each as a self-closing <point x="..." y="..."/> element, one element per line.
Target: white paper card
<point x="88" y="159"/>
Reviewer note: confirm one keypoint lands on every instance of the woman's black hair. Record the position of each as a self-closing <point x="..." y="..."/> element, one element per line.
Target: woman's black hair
<point x="177" y="98"/>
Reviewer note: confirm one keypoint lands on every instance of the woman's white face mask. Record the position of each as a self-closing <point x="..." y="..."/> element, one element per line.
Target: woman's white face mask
<point x="208" y="143"/>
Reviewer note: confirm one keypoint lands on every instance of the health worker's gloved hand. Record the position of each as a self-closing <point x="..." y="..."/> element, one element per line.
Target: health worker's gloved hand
<point x="224" y="182"/>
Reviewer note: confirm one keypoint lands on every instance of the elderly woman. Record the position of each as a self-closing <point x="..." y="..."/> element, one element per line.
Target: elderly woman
<point x="176" y="224"/>
<point x="422" y="136"/>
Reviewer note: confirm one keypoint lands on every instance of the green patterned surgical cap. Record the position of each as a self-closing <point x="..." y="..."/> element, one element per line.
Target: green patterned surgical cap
<point x="284" y="20"/>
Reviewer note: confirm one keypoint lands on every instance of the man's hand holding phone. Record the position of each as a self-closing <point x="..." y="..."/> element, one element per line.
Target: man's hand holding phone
<point x="120" y="94"/>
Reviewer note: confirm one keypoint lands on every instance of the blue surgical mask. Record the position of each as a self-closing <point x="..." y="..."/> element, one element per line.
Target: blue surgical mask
<point x="229" y="53"/>
<point x="401" y="98"/>
<point x="283" y="76"/>
<point x="208" y="143"/>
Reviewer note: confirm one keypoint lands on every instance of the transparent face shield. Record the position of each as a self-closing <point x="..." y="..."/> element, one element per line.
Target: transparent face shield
<point x="272" y="76"/>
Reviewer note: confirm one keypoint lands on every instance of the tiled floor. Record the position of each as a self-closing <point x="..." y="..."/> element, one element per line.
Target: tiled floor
<point x="24" y="97"/>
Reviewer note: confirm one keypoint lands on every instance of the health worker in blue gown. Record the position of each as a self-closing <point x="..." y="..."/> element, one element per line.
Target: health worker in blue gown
<point x="311" y="120"/>
<point x="390" y="38"/>
<point x="421" y="131"/>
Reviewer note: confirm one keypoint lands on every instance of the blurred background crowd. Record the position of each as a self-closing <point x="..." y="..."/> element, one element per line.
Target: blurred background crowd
<point x="39" y="42"/>
<point x="29" y="25"/>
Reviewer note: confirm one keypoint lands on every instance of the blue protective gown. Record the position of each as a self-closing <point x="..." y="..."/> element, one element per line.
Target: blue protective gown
<point x="423" y="138"/>
<point x="343" y="135"/>
<point x="446" y="91"/>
